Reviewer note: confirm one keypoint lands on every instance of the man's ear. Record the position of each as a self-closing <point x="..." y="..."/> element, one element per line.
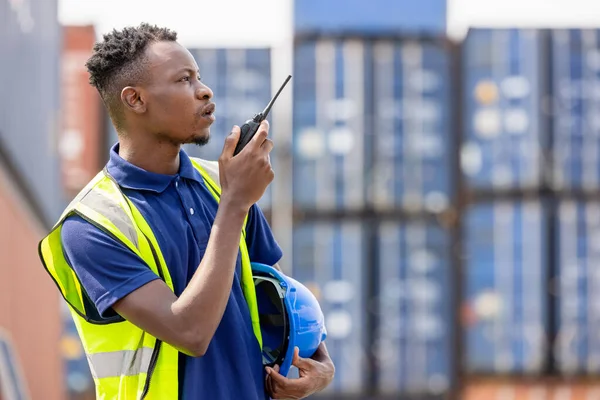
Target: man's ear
<point x="132" y="100"/>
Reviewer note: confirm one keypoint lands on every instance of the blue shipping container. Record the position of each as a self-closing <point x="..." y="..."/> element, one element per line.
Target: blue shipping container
<point x="330" y="84"/>
<point x="328" y="258"/>
<point x="414" y="305"/>
<point x="30" y="45"/>
<point x="412" y="126"/>
<point x="578" y="253"/>
<point x="576" y="91"/>
<point x="77" y="375"/>
<point x="241" y="82"/>
<point x="335" y="16"/>
<point x="505" y="269"/>
<point x="504" y="135"/>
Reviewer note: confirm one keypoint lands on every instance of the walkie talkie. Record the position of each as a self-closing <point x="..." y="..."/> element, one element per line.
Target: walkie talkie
<point x="251" y="126"/>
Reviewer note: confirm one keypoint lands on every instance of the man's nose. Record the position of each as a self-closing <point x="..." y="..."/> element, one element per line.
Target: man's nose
<point x="204" y="92"/>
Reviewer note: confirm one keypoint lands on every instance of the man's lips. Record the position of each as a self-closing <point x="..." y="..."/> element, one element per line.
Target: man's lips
<point x="208" y="111"/>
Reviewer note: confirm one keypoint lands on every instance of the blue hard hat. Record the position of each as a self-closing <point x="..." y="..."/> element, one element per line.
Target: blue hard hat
<point x="290" y="316"/>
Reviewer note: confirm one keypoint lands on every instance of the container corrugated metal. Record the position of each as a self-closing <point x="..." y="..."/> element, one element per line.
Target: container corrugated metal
<point x="24" y="287"/>
<point x="504" y="134"/>
<point x="329" y="124"/>
<point x="334" y="16"/>
<point x="576" y="90"/>
<point x="241" y="82"/>
<point x="505" y="270"/>
<point x="29" y="78"/>
<point x="80" y="137"/>
<point x="414" y="291"/>
<point x="578" y="254"/>
<point x="328" y="259"/>
<point x="412" y="125"/>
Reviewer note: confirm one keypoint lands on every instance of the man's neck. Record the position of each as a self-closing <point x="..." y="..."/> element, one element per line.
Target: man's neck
<point x="158" y="157"/>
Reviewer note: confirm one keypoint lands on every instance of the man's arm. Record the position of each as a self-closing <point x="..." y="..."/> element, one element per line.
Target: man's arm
<point x="190" y="321"/>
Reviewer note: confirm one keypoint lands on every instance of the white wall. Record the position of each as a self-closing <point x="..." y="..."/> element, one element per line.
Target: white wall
<point x="217" y="23"/>
<point x="521" y="13"/>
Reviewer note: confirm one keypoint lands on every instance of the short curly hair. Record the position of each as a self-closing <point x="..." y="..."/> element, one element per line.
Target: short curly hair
<point x="119" y="61"/>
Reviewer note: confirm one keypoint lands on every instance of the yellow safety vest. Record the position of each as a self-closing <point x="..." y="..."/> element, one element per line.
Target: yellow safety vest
<point x="126" y="362"/>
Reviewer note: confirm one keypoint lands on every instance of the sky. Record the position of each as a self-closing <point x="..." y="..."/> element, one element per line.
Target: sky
<point x="245" y="23"/>
<point x="198" y="23"/>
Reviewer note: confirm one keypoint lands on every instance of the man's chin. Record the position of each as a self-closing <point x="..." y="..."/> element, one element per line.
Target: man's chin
<point x="200" y="140"/>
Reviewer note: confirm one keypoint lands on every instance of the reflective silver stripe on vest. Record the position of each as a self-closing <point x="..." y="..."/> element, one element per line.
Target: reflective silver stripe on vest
<point x="108" y="208"/>
<point x="120" y="363"/>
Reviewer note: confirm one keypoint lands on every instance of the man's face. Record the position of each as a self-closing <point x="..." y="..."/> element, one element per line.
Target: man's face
<point x="179" y="109"/>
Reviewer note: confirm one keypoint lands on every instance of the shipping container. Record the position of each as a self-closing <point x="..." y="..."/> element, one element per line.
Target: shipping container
<point x="505" y="252"/>
<point x="504" y="132"/>
<point x="578" y="314"/>
<point x="80" y="137"/>
<point x="77" y="377"/>
<point x="532" y="389"/>
<point x="30" y="324"/>
<point x="335" y="16"/>
<point x="30" y="44"/>
<point x="414" y="300"/>
<point x="241" y="82"/>
<point x="12" y="384"/>
<point x="412" y="125"/>
<point x="328" y="259"/>
<point x="330" y="86"/>
<point x="576" y="119"/>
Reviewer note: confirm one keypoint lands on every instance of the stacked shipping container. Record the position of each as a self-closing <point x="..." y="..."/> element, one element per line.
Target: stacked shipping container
<point x="329" y="259"/>
<point x="370" y="110"/>
<point x="29" y="110"/>
<point x="530" y="101"/>
<point x="414" y="309"/>
<point x="504" y="133"/>
<point x="578" y="253"/>
<point x="504" y="238"/>
<point x="30" y="199"/>
<point x="575" y="84"/>
<point x="329" y="124"/>
<point x="505" y="254"/>
<point x="411" y="126"/>
<point x="372" y="134"/>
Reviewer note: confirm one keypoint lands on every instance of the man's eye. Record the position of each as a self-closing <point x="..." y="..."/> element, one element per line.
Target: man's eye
<point x="185" y="78"/>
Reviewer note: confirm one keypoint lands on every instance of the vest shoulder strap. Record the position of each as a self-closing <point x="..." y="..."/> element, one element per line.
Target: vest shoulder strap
<point x="210" y="167"/>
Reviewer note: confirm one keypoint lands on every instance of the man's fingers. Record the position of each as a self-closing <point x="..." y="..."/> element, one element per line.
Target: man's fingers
<point x="277" y="378"/>
<point x="267" y="145"/>
<point x="261" y="135"/>
<point x="299" y="362"/>
<point x="230" y="142"/>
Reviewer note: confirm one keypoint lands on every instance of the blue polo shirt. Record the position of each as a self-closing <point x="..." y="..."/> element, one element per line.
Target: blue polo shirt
<point x="180" y="210"/>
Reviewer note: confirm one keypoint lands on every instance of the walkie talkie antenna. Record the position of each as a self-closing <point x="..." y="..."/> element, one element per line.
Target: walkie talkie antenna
<point x="261" y="117"/>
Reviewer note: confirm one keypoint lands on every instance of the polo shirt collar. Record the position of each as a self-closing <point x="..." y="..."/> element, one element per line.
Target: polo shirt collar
<point x="130" y="176"/>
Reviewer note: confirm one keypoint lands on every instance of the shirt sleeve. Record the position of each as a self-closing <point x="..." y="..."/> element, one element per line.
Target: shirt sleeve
<point x="107" y="269"/>
<point x="262" y="246"/>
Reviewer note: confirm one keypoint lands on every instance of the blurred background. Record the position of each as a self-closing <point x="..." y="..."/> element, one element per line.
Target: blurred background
<point x="437" y="181"/>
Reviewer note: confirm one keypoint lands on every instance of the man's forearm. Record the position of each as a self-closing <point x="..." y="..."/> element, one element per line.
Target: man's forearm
<point x="203" y="302"/>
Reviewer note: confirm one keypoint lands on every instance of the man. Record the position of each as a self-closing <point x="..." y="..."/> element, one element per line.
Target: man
<point x="159" y="256"/>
